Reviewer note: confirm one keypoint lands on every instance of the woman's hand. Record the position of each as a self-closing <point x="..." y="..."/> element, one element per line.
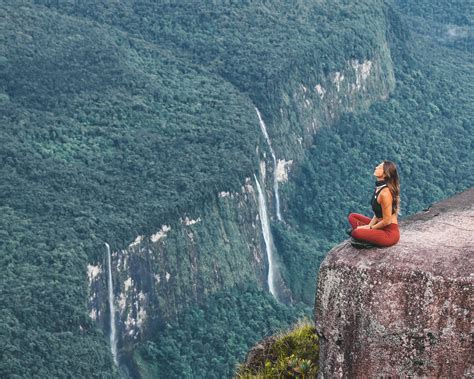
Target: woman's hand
<point x="363" y="227"/>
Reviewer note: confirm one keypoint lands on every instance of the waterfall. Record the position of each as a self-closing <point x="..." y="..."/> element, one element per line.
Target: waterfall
<point x="264" y="220"/>
<point x="113" y="339"/>
<point x="275" y="181"/>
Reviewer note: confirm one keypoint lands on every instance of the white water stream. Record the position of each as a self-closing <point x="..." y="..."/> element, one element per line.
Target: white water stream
<point x="275" y="181"/>
<point x="113" y="338"/>
<point x="265" y="221"/>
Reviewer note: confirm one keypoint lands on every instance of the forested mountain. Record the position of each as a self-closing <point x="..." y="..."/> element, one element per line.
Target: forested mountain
<point x="425" y="127"/>
<point x="134" y="123"/>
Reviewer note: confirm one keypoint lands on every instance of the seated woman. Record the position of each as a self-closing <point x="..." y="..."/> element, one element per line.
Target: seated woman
<point x="382" y="229"/>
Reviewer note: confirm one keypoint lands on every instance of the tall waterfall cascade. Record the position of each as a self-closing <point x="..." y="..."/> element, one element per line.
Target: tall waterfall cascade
<point x="275" y="181"/>
<point x="113" y="334"/>
<point x="265" y="221"/>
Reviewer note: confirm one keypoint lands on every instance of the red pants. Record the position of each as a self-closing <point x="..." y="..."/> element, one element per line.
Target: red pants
<point x="386" y="236"/>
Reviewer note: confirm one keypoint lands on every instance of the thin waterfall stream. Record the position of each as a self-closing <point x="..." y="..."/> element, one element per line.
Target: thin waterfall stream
<point x="265" y="221"/>
<point x="113" y="337"/>
<point x="275" y="181"/>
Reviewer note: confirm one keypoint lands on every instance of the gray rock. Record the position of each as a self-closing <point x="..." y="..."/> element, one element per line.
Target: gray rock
<point x="403" y="310"/>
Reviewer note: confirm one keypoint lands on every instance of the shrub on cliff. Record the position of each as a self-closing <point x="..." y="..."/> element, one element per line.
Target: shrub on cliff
<point x="290" y="354"/>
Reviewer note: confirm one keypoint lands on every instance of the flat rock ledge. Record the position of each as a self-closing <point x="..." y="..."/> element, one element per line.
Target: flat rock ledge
<point x="405" y="310"/>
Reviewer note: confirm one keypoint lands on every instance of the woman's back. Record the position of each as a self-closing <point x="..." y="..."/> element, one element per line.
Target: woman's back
<point x="377" y="206"/>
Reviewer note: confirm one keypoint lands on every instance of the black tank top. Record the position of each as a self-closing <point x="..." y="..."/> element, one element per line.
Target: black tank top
<point x="376" y="207"/>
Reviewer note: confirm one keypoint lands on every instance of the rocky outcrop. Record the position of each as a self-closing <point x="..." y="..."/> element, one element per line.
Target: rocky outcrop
<point x="404" y="310"/>
<point x="288" y="354"/>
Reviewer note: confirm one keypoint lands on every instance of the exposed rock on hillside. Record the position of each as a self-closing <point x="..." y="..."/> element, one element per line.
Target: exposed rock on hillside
<point x="406" y="309"/>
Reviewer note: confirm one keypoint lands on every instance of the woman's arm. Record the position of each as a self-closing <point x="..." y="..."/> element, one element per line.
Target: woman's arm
<point x="386" y="204"/>
<point x="373" y="221"/>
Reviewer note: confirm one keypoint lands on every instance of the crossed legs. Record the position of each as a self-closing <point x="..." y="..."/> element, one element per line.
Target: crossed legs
<point x="356" y="219"/>
<point x="387" y="236"/>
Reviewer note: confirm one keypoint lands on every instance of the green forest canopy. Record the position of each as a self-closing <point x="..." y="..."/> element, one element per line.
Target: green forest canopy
<point x="117" y="115"/>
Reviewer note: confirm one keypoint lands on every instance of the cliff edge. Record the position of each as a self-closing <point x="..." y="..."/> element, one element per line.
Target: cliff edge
<point x="406" y="309"/>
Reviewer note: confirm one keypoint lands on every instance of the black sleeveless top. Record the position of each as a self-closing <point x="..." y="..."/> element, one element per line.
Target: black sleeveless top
<point x="376" y="207"/>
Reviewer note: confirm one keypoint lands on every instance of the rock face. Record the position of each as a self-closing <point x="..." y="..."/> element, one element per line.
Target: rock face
<point x="406" y="309"/>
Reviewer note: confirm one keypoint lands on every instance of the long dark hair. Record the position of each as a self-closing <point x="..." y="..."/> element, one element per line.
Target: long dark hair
<point x="393" y="183"/>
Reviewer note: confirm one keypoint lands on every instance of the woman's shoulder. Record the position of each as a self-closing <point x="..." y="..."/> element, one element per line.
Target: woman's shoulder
<point x="385" y="193"/>
<point x="382" y="189"/>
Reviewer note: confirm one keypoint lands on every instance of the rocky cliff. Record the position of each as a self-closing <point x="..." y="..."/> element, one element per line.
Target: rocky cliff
<point x="406" y="309"/>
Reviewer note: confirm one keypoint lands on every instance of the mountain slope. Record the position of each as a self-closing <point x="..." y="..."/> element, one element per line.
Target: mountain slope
<point x="134" y="123"/>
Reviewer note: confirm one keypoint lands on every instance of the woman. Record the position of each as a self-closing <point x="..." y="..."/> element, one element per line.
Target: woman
<point x="382" y="229"/>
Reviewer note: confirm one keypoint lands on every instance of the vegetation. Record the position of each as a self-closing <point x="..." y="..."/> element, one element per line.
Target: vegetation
<point x="289" y="354"/>
<point x="255" y="45"/>
<point x="208" y="341"/>
<point x="117" y="116"/>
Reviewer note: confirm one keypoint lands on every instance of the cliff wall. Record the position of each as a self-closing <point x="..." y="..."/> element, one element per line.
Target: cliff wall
<point x="406" y="309"/>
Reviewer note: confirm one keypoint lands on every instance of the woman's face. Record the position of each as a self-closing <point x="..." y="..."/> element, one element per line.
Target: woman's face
<point x="379" y="171"/>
